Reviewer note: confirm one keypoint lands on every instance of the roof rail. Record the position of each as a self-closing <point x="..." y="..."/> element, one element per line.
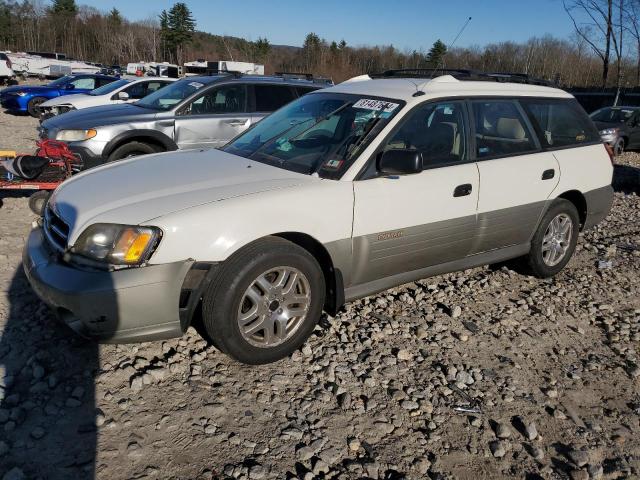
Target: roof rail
<point x="302" y="76"/>
<point x="463" y="74"/>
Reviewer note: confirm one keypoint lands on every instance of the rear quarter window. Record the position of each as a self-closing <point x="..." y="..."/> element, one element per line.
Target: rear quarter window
<point x="560" y="123"/>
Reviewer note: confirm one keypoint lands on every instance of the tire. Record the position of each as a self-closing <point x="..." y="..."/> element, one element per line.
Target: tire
<point x="619" y="146"/>
<point x="549" y="255"/>
<point x="38" y="201"/>
<point x="32" y="106"/>
<point x="132" y="149"/>
<point x="229" y="297"/>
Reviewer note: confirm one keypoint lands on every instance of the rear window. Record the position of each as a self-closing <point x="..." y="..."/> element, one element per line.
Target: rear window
<point x="3" y="56"/>
<point x="561" y="123"/>
<point x="270" y="98"/>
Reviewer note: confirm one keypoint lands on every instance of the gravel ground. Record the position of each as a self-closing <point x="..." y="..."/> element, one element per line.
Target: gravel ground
<point x="480" y="374"/>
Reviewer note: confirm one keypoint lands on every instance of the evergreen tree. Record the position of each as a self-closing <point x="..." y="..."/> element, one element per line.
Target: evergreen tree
<point x="181" y="27"/>
<point x="64" y="7"/>
<point x="342" y="45"/>
<point x="436" y="54"/>
<point x="6" y="24"/>
<point x="115" y="17"/>
<point x="261" y="49"/>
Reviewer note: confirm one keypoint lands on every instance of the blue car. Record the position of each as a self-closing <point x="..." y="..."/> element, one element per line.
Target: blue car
<point x="26" y="98"/>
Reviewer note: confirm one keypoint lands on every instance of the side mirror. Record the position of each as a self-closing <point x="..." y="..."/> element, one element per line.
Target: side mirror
<point x="70" y="86"/>
<point x="400" y="162"/>
<point x="123" y="96"/>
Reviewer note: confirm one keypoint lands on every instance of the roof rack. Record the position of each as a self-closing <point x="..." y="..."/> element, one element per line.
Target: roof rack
<point x="463" y="74"/>
<point x="302" y="76"/>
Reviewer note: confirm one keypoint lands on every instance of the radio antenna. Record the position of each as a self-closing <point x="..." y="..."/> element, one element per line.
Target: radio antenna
<point x="464" y="27"/>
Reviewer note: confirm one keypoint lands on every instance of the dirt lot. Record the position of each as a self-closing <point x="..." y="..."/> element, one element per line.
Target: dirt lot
<point x="473" y="375"/>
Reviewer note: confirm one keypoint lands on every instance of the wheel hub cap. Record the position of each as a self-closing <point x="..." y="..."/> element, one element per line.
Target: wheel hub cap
<point x="274" y="306"/>
<point x="557" y="239"/>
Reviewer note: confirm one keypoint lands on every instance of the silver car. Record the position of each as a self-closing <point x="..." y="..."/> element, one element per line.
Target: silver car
<point x="196" y="112"/>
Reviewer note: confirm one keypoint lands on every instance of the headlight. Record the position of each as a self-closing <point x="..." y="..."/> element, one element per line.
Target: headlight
<point x="117" y="244"/>
<point x="75" y="135"/>
<point x="609" y="131"/>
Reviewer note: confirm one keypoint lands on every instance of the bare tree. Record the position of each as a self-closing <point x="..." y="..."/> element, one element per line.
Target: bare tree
<point x="593" y="21"/>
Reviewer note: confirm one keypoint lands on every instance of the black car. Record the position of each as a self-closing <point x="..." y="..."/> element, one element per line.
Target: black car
<point x="619" y="127"/>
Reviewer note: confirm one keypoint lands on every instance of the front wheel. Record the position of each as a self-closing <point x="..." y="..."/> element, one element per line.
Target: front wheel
<point x="555" y="240"/>
<point x="32" y="106"/>
<point x="265" y="301"/>
<point x="38" y="201"/>
<point x="619" y="146"/>
<point x="132" y="149"/>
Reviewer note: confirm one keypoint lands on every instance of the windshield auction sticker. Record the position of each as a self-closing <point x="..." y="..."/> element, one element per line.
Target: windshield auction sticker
<point x="376" y="105"/>
<point x="196" y="85"/>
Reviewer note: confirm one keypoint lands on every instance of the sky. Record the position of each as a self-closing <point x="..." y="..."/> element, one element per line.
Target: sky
<point x="407" y="24"/>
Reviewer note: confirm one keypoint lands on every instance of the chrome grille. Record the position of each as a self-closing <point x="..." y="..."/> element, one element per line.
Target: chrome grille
<point x="56" y="231"/>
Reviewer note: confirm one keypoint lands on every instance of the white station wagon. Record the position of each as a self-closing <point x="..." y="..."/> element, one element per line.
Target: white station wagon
<point x="343" y="193"/>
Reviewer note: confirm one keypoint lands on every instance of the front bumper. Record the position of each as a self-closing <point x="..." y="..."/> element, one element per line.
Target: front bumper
<point x="13" y="103"/>
<point x="129" y="305"/>
<point x="610" y="139"/>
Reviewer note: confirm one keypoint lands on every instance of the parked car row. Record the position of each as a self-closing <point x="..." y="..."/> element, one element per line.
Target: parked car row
<point x="195" y="112"/>
<point x="342" y="192"/>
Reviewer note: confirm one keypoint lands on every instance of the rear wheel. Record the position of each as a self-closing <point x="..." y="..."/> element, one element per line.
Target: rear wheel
<point x="38" y="201"/>
<point x="265" y="301"/>
<point x="32" y="106"/>
<point x="132" y="149"/>
<point x="555" y="240"/>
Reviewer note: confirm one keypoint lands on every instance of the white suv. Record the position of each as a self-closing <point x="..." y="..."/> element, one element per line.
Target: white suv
<point x="343" y="193"/>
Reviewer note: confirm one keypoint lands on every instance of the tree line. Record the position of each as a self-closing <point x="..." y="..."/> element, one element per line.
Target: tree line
<point x="607" y="33"/>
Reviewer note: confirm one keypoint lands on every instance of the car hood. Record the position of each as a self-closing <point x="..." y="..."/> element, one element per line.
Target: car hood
<point x="98" y="116"/>
<point x="64" y="100"/>
<point x="27" y="88"/>
<point x="139" y="189"/>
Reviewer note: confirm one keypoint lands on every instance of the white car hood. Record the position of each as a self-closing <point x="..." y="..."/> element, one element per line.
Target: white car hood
<point x="137" y="190"/>
<point x="66" y="99"/>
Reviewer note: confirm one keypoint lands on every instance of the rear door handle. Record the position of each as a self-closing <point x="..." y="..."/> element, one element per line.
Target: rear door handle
<point x="237" y="123"/>
<point x="463" y="190"/>
<point x="548" y="174"/>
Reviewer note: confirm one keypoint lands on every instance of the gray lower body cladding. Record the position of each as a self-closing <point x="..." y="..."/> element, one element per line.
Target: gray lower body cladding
<point x="129" y="305"/>
<point x="599" y="202"/>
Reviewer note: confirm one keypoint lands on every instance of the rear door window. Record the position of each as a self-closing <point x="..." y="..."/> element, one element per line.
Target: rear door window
<point x="561" y="123"/>
<point x="270" y="98"/>
<point x="500" y="129"/>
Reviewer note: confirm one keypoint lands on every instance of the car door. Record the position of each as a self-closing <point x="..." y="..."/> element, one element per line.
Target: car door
<point x="633" y="127"/>
<point x="213" y="118"/>
<point x="516" y="176"/>
<point x="268" y="98"/>
<point x="406" y="223"/>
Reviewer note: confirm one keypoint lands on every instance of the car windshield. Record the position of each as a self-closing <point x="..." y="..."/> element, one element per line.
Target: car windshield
<point x="109" y="87"/>
<point x="165" y="98"/>
<point x="319" y="133"/>
<point x="61" y="81"/>
<point x="612" y="115"/>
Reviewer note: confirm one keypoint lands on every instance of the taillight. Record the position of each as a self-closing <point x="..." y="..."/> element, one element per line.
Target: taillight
<point x="610" y="152"/>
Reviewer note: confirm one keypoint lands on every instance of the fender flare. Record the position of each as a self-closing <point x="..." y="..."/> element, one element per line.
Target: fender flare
<point x="158" y="137"/>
